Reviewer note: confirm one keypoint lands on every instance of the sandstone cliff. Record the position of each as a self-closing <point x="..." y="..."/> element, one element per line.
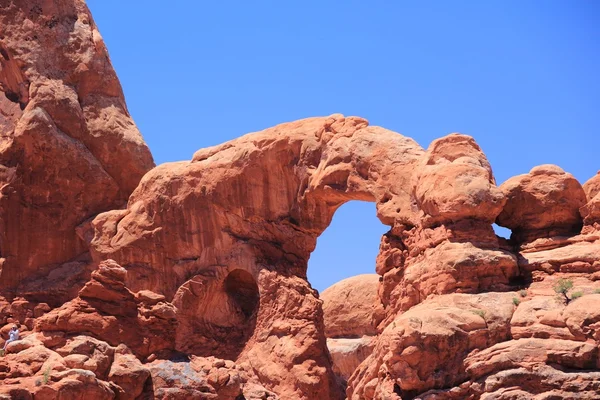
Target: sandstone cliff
<point x="69" y="148"/>
<point x="188" y="280"/>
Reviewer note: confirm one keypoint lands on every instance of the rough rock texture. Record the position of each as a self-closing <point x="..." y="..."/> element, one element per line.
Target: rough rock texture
<point x="69" y="148"/>
<point x="227" y="236"/>
<point x="452" y="247"/>
<point x="528" y="369"/>
<point x="348" y="353"/>
<point x="198" y="289"/>
<point x="591" y="210"/>
<point x="109" y="311"/>
<point x="351" y="307"/>
<point x="455" y="182"/>
<point x="425" y="347"/>
<point x="592" y="186"/>
<point x="63" y="366"/>
<point x="352" y="312"/>
<point x="545" y="202"/>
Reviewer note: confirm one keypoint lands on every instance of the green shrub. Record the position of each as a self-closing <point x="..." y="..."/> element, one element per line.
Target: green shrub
<point x="481" y="313"/>
<point x="562" y="287"/>
<point x="576" y="295"/>
<point x="516" y="301"/>
<point x="46" y="375"/>
<point x="523" y="293"/>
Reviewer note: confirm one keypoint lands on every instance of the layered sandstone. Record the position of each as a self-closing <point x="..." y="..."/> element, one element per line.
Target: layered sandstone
<point x="227" y="237"/>
<point x="189" y="280"/>
<point x="452" y="247"/>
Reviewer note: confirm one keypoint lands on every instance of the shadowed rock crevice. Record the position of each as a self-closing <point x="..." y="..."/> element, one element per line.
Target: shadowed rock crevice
<point x="12" y="82"/>
<point x="243" y="291"/>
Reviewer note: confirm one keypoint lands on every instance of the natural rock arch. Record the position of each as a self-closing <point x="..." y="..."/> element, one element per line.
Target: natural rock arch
<point x="258" y="203"/>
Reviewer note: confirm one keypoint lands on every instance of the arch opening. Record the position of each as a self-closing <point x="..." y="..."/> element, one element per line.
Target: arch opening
<point x="348" y="246"/>
<point x="502" y="232"/>
<point x="342" y="269"/>
<point x="242" y="290"/>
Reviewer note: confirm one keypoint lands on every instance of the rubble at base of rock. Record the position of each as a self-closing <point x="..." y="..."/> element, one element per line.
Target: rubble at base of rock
<point x="188" y="280"/>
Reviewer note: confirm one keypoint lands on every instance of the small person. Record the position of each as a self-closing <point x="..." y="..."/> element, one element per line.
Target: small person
<point x="13" y="335"/>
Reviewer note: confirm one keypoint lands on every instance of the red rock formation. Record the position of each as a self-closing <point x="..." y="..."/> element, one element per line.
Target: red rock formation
<point x="425" y="347"/>
<point x="69" y="148"/>
<point x="591" y="210"/>
<point x="227" y="237"/>
<point x="198" y="288"/>
<point x="351" y="307"/>
<point x="592" y="186"/>
<point x="543" y="203"/>
<point x="352" y="312"/>
<point x="452" y="247"/>
<point x="109" y="311"/>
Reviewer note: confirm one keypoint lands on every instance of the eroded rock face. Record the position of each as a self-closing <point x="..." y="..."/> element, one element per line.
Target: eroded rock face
<point x="351" y="307"/>
<point x="111" y="312"/>
<point x="198" y="289"/>
<point x="543" y="203"/>
<point x="426" y="346"/>
<point x="352" y="312"/>
<point x="230" y="242"/>
<point x="592" y="186"/>
<point x="454" y="181"/>
<point x="453" y="247"/>
<point x="591" y="210"/>
<point x="69" y="148"/>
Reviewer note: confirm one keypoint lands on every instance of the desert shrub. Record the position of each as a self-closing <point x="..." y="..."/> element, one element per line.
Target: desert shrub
<point x="562" y="287"/>
<point x="576" y="295"/>
<point x="46" y="375"/>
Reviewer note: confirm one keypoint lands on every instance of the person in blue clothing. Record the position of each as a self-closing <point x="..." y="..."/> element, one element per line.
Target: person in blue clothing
<point x="13" y="335"/>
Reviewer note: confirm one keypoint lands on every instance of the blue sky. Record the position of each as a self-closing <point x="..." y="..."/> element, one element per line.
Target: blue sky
<point x="519" y="76"/>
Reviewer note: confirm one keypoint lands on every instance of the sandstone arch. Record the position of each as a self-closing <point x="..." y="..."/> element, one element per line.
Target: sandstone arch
<point x="239" y="222"/>
<point x="258" y="203"/>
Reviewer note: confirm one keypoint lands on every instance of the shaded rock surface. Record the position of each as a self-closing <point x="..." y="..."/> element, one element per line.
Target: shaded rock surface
<point x="230" y="243"/>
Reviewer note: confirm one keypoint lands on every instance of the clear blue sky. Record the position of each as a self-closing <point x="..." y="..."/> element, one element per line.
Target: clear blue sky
<point x="522" y="77"/>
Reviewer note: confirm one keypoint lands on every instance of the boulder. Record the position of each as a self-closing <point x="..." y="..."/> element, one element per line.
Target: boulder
<point x="351" y="307"/>
<point x="543" y="203"/>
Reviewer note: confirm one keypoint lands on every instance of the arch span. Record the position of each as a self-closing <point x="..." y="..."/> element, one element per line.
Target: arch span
<point x="258" y="203"/>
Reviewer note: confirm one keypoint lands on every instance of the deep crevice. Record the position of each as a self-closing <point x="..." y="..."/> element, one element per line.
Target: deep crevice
<point x="242" y="289"/>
